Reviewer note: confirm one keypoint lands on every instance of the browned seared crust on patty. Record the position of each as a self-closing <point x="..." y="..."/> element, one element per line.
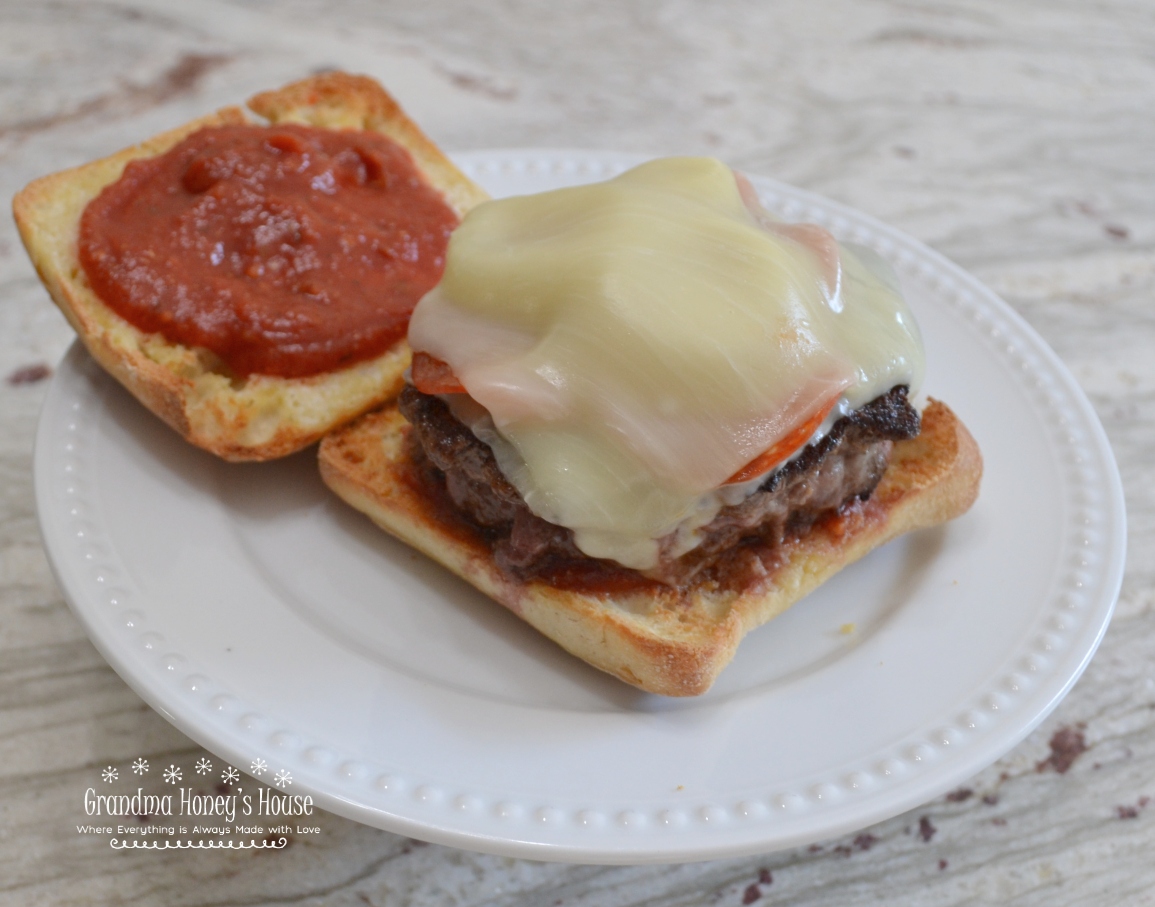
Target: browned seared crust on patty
<point x="260" y="417"/>
<point x="849" y="461"/>
<point x="663" y="640"/>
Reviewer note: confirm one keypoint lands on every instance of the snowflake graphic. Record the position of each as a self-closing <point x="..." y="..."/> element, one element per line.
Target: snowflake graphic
<point x="109" y="774"/>
<point x="282" y="779"/>
<point x="230" y="774"/>
<point x="172" y="774"/>
<point x="140" y="766"/>
<point x="259" y="766"/>
<point x="204" y="766"/>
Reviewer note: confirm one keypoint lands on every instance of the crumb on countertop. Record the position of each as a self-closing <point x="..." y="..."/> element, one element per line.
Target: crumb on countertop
<point x="30" y="374"/>
<point x="1067" y="744"/>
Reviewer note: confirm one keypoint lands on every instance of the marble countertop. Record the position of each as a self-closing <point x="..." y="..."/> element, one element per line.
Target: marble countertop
<point x="1015" y="138"/>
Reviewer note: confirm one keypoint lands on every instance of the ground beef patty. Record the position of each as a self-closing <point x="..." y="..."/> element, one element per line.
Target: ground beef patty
<point x="844" y="466"/>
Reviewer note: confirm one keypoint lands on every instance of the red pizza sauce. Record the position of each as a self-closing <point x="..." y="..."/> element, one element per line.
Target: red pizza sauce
<point x="285" y="250"/>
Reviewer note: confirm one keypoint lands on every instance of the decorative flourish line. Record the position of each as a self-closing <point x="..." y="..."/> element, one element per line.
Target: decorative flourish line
<point x="278" y="844"/>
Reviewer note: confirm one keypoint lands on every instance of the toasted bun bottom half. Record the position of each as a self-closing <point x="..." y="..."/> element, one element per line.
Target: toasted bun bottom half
<point x="673" y="642"/>
<point x="259" y="417"/>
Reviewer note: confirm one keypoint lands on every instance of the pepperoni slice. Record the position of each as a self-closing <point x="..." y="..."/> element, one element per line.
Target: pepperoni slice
<point x="431" y="375"/>
<point x="783" y="448"/>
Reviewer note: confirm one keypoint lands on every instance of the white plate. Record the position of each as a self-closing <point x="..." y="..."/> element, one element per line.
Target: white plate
<point x="266" y="619"/>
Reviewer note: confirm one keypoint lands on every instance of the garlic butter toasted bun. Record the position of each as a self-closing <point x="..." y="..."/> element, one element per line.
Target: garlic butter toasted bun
<point x="236" y="416"/>
<point x="647" y="418"/>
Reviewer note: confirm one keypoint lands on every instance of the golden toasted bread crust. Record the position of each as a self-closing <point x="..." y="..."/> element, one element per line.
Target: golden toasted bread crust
<point x="260" y="417"/>
<point x="664" y="641"/>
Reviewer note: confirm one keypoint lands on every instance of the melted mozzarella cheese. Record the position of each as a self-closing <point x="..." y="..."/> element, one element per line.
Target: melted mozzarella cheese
<point x="634" y="343"/>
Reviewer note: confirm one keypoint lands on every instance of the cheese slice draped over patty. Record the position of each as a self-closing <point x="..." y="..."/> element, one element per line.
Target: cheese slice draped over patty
<point x="633" y="344"/>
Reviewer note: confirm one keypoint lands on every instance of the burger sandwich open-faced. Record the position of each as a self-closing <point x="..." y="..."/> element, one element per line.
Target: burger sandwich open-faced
<point x="647" y="417"/>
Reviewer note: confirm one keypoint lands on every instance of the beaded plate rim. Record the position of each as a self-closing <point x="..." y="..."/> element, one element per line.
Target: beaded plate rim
<point x="914" y="769"/>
